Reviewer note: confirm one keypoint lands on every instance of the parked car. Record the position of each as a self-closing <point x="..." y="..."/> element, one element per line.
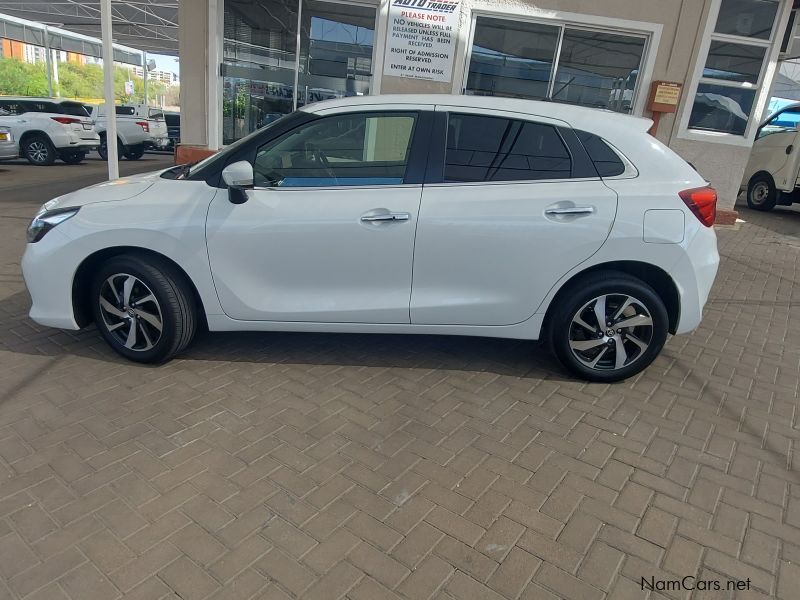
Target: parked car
<point x="173" y="120"/>
<point x="49" y="128"/>
<point x="772" y="176"/>
<point x="132" y="132"/>
<point x="157" y="126"/>
<point x="8" y="145"/>
<point x="514" y="218"/>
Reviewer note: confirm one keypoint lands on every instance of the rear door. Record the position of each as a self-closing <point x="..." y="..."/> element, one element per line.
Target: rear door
<point x="512" y="206"/>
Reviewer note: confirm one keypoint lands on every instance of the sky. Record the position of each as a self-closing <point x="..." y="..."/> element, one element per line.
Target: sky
<point x="165" y="63"/>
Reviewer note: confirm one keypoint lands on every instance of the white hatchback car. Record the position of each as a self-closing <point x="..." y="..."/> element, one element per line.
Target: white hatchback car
<point x="395" y="214"/>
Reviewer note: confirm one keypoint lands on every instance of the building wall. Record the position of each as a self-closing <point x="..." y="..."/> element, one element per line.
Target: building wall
<point x="676" y="28"/>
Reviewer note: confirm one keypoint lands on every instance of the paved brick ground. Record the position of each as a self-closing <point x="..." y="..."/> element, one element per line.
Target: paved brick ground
<point x="324" y="466"/>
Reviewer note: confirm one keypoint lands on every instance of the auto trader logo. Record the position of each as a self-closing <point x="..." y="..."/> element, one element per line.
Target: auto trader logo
<point x="439" y="6"/>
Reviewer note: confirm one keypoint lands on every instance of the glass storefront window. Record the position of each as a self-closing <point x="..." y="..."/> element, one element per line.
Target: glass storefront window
<point x="722" y="108"/>
<point x="540" y="61"/>
<point x="747" y="18"/>
<point x="511" y="59"/>
<point x="598" y="69"/>
<point x="261" y="64"/>
<point x="734" y="62"/>
<point x="733" y="68"/>
<point x="336" y="50"/>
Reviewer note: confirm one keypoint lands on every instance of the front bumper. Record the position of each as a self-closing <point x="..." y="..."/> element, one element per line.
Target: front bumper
<point x="48" y="271"/>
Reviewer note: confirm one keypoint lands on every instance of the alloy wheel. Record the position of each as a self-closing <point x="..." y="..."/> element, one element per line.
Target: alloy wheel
<point x="131" y="313"/>
<point x="38" y="151"/>
<point x="611" y="332"/>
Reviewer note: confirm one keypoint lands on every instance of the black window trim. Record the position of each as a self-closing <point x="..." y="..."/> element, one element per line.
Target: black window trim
<point x="434" y="174"/>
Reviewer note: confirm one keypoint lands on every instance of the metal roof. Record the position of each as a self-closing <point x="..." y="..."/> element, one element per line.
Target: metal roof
<point x="150" y="25"/>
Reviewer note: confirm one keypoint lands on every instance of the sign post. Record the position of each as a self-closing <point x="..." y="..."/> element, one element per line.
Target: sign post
<point x="421" y="39"/>
<point x="664" y="98"/>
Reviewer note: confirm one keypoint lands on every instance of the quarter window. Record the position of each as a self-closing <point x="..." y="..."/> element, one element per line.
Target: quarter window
<point x="605" y="159"/>
<point x="495" y="149"/>
<point x="352" y="149"/>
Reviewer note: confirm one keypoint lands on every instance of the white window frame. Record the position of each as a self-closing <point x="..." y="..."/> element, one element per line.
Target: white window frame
<point x="767" y="73"/>
<point x="651" y="32"/>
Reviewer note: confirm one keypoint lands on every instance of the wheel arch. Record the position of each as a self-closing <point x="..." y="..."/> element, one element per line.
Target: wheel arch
<point x="652" y="275"/>
<point x="762" y="172"/>
<point x="81" y="282"/>
<point x="33" y="132"/>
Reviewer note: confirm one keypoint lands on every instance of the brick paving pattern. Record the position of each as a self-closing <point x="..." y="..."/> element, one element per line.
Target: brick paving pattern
<point x="282" y="466"/>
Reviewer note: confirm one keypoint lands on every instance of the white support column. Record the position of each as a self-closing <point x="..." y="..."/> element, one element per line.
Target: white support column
<point x="144" y="75"/>
<point x="214" y="80"/>
<point x="48" y="61"/>
<point x="108" y="87"/>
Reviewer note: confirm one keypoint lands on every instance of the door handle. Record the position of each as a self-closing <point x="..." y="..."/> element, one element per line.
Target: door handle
<point x="570" y="210"/>
<point x="381" y="217"/>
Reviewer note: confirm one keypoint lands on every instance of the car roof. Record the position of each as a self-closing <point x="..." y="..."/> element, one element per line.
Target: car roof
<point x="40" y="99"/>
<point x="572" y="114"/>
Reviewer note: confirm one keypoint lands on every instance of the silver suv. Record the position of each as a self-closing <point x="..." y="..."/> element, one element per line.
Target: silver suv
<point x="49" y="128"/>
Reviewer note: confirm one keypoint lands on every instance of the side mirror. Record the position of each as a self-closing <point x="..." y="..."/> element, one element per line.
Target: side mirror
<point x="238" y="177"/>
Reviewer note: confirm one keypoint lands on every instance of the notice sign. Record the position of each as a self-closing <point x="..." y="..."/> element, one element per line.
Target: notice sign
<point x="664" y="96"/>
<point x="421" y="39"/>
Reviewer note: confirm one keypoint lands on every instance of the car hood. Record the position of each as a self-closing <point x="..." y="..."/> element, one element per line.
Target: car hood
<point x="123" y="188"/>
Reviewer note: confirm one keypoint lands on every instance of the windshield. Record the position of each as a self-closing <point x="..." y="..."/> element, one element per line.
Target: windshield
<point x="195" y="169"/>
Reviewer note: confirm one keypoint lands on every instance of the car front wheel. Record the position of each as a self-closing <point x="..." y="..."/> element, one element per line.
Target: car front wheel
<point x="143" y="308"/>
<point x="761" y="193"/>
<point x="608" y="327"/>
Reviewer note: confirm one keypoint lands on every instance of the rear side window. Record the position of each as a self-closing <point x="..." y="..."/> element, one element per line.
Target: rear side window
<point x="74" y="109"/>
<point x="606" y="161"/>
<point x="11" y="107"/>
<point x="42" y="107"/>
<point x="483" y="148"/>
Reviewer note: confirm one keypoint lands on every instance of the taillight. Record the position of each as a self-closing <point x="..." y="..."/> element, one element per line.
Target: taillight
<point x="144" y="125"/>
<point x="702" y="202"/>
<point x="66" y="120"/>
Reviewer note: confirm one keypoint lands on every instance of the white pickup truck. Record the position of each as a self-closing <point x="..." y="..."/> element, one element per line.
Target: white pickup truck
<point x="132" y="132"/>
<point x="157" y="124"/>
<point x="772" y="176"/>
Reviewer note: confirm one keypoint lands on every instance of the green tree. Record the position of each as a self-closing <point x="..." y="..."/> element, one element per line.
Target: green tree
<point x="18" y="78"/>
<point x="80" y="81"/>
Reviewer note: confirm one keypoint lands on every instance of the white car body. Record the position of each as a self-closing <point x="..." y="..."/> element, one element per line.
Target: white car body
<point x="479" y="259"/>
<point x="774" y="165"/>
<point x="57" y="119"/>
<point x="158" y="135"/>
<point x="129" y="128"/>
<point x="8" y="145"/>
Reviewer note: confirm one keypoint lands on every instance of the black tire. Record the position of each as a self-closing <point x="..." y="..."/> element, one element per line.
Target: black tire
<point x="72" y="157"/>
<point x="583" y="295"/>
<point x="38" y="150"/>
<point x="761" y="193"/>
<point x="175" y="307"/>
<point x="102" y="149"/>
<point x="134" y="152"/>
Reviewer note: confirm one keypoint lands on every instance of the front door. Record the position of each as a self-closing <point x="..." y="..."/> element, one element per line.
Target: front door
<point x="327" y="235"/>
<point x="776" y="149"/>
<point x="512" y="215"/>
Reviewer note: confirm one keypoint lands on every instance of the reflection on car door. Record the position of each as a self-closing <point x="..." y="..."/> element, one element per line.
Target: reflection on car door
<point x="327" y="235"/>
<point x="513" y="212"/>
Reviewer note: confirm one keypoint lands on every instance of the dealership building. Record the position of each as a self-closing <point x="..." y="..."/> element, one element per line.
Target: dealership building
<point x="702" y="68"/>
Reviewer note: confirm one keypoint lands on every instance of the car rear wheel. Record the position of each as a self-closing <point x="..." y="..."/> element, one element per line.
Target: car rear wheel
<point x="73" y="157"/>
<point x="143" y="308"/>
<point x="608" y="327"/>
<point x="134" y="152"/>
<point x="102" y="149"/>
<point x="38" y="150"/>
<point x="761" y="193"/>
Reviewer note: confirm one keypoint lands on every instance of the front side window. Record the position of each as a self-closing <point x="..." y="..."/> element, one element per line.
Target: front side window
<point x="786" y="120"/>
<point x="341" y="150"/>
<point x="496" y="149"/>
<point x="733" y="67"/>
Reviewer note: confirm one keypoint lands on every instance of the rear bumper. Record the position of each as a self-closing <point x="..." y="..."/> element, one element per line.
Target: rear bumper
<point x="9" y="150"/>
<point x="694" y="275"/>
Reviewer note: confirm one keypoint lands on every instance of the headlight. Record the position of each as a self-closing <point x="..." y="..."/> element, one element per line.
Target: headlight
<point x="46" y="220"/>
